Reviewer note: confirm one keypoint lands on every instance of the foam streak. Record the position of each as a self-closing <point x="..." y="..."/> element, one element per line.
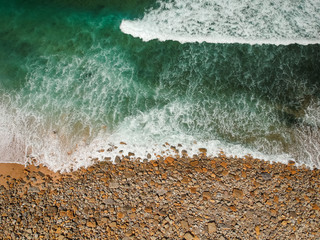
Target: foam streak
<point x="258" y="22"/>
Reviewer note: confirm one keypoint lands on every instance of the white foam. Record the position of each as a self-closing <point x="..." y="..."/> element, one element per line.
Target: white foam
<point x="147" y="133"/>
<point x="253" y="22"/>
<point x="12" y="147"/>
<point x="144" y="134"/>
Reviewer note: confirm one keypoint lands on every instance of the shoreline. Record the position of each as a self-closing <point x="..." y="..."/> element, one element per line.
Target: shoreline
<point x="170" y="198"/>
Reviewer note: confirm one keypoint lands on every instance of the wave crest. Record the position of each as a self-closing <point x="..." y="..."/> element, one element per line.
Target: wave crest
<point x="255" y="22"/>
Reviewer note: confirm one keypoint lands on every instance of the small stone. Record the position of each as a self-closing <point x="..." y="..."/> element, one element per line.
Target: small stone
<point x="185" y="180"/>
<point x="169" y="160"/>
<point x="194" y="163"/>
<point x="257" y="229"/>
<point x="148" y="209"/>
<point x="202" y="150"/>
<point x="184" y="225"/>
<point x="61" y="237"/>
<point x="315" y="207"/>
<point x="291" y="163"/>
<point x="188" y="236"/>
<point x="104" y="219"/>
<point x="224" y="173"/>
<point x="113" y="224"/>
<point x="52" y="210"/>
<point x="237" y="193"/>
<point x="117" y="159"/>
<point x="113" y="184"/>
<point x="206" y="195"/>
<point x="233" y="208"/>
<point x="266" y="176"/>
<point x="212" y="227"/>
<point x="224" y="164"/>
<point x="293" y="214"/>
<point x="109" y="201"/>
<point x="33" y="189"/>
<point x="92" y="223"/>
<point x="161" y="191"/>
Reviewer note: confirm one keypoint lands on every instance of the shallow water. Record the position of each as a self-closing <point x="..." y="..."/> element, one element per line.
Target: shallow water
<point x="79" y="77"/>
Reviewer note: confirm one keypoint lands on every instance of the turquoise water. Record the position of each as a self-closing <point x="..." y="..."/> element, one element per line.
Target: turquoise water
<point x="79" y="77"/>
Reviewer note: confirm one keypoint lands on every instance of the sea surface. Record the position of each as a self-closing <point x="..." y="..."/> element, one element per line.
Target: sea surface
<point x="84" y="80"/>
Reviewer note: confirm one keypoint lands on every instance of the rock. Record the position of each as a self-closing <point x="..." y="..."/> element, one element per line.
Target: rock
<point x="291" y="163"/>
<point x="117" y="159"/>
<point x="224" y="164"/>
<point x="212" y="227"/>
<point x="266" y="176"/>
<point x="194" y="163"/>
<point x="169" y="160"/>
<point x="120" y="215"/>
<point x="2" y="189"/>
<point x="104" y="219"/>
<point x="33" y="189"/>
<point x="113" y="184"/>
<point x="233" y="208"/>
<point x="257" y="229"/>
<point x="206" y="195"/>
<point x="113" y="225"/>
<point x="203" y="150"/>
<point x="315" y="207"/>
<point x="188" y="236"/>
<point x="91" y="223"/>
<point x="161" y="191"/>
<point x="148" y="209"/>
<point x="52" y="210"/>
<point x="293" y="214"/>
<point x="185" y="180"/>
<point x="237" y="193"/>
<point x="61" y="237"/>
<point x="109" y="201"/>
<point x="184" y="225"/>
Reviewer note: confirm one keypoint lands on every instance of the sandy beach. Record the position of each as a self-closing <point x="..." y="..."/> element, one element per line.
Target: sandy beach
<point x="183" y="198"/>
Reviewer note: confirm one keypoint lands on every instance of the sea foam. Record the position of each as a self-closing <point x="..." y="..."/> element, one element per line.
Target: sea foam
<point x="253" y="22"/>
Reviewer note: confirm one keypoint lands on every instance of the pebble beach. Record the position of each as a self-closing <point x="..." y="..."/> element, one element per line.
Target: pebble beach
<point x="169" y="198"/>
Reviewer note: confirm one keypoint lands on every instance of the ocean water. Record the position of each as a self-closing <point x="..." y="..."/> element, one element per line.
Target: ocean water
<point x="84" y="80"/>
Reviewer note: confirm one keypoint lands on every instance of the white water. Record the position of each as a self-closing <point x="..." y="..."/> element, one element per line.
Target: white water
<point x="24" y="142"/>
<point x="280" y="22"/>
<point x="25" y="139"/>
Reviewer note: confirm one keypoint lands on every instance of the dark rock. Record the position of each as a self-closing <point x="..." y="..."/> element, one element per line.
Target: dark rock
<point x="266" y="176"/>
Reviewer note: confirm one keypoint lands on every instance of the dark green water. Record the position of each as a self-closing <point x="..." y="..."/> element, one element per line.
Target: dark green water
<point x="71" y="83"/>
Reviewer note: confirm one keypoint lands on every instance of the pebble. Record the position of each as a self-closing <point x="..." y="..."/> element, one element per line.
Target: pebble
<point x="170" y="198"/>
<point x="212" y="227"/>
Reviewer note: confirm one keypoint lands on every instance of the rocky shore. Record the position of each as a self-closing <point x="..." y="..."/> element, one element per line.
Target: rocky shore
<point x="171" y="198"/>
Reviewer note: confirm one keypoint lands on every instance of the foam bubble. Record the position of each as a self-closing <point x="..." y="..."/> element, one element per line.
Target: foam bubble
<point x="255" y="22"/>
<point x="12" y="146"/>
